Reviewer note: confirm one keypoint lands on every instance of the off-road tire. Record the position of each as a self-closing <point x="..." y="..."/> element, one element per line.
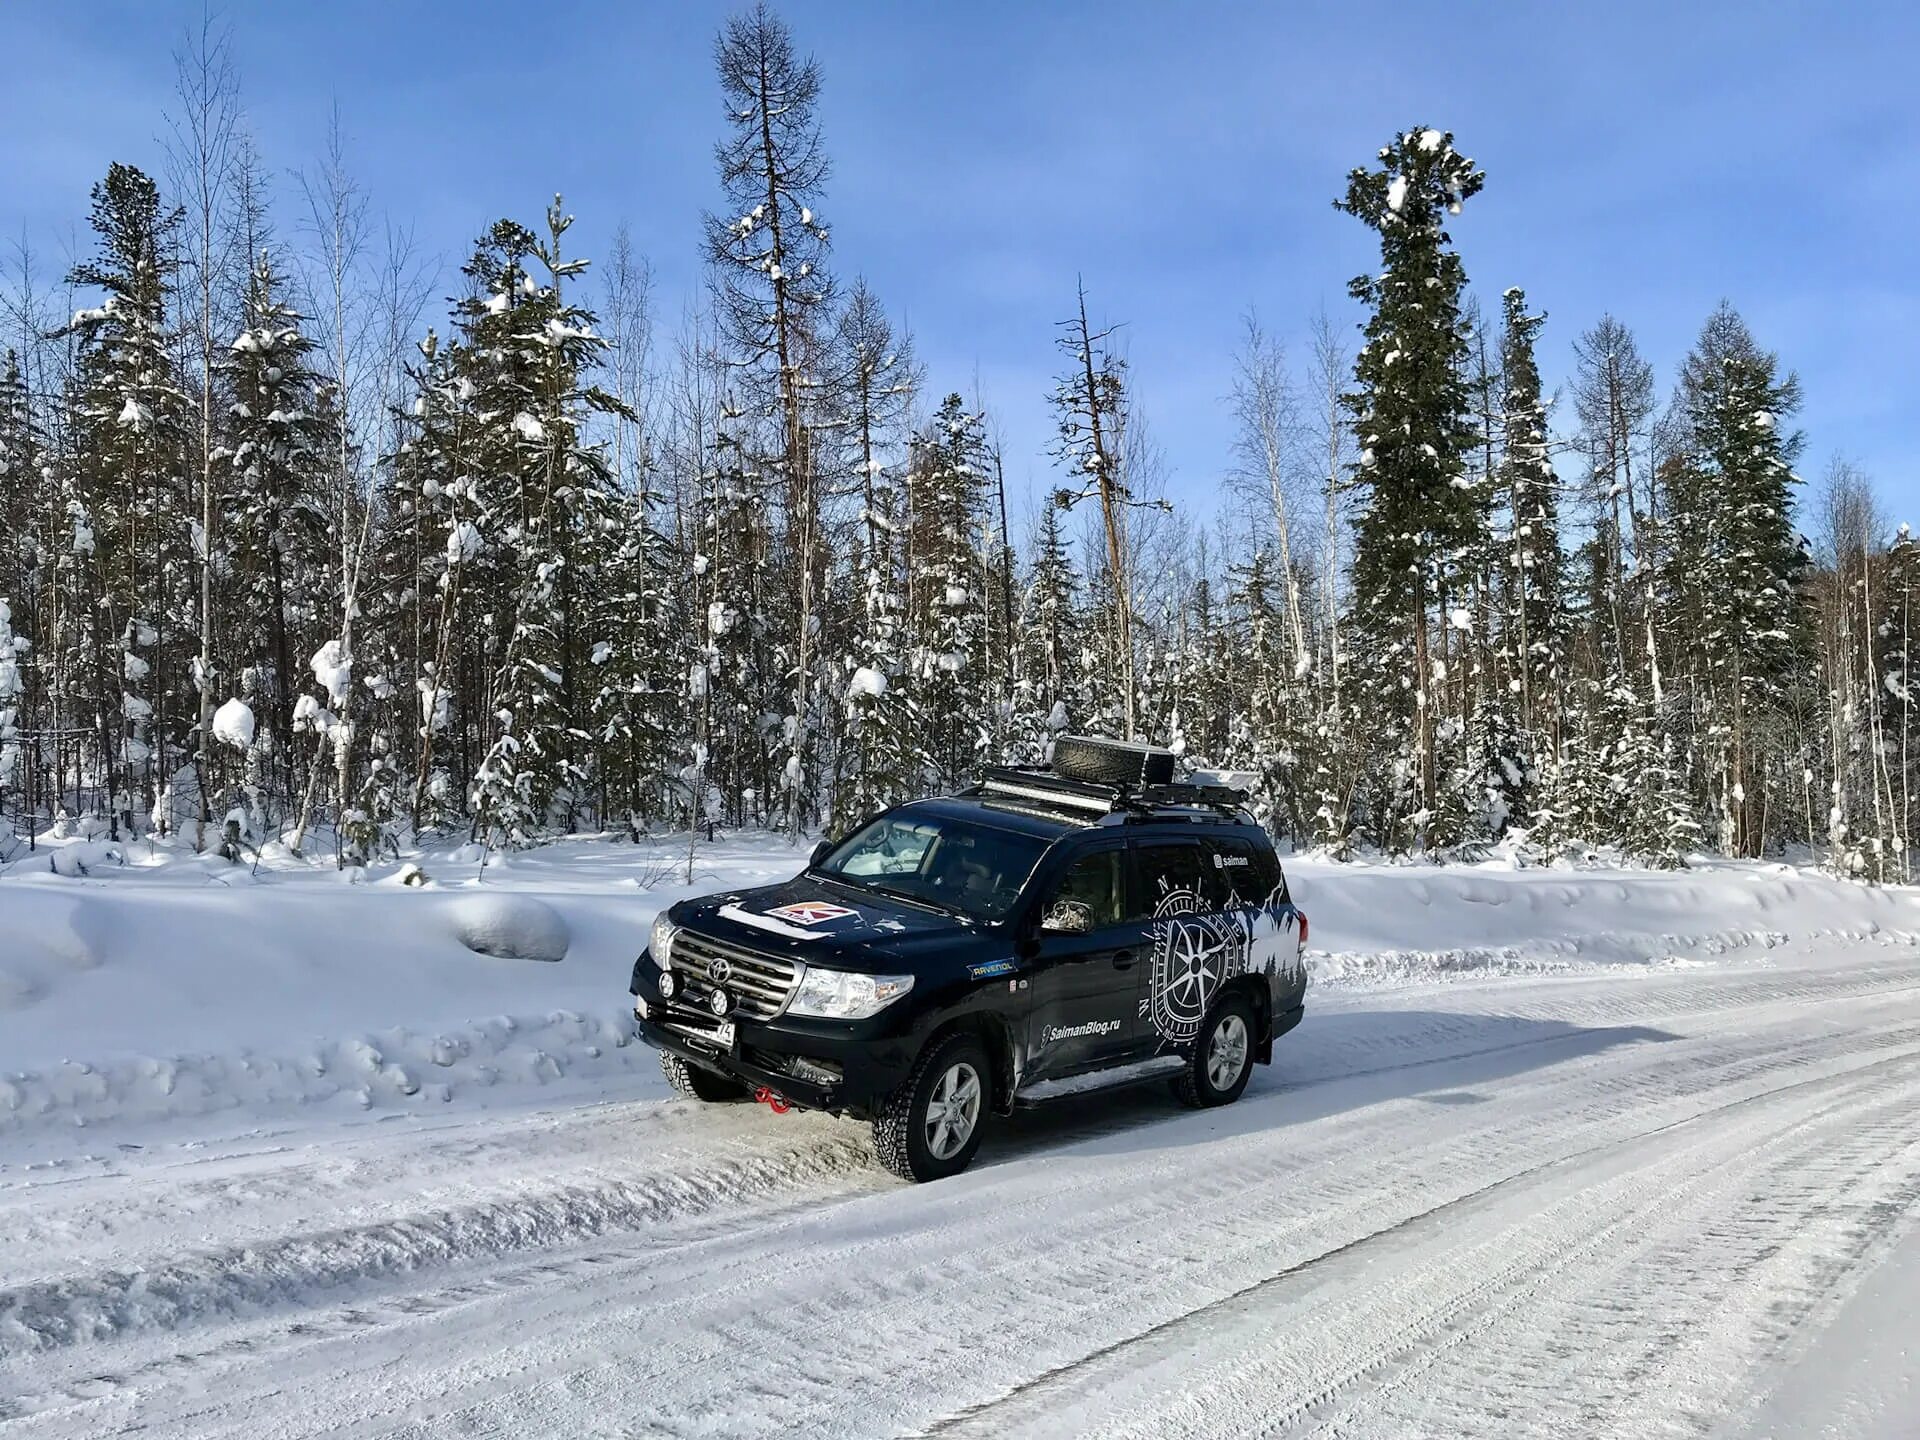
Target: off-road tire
<point x="1110" y="762"/>
<point x="900" y="1129"/>
<point x="1194" y="1086"/>
<point x="692" y="1082"/>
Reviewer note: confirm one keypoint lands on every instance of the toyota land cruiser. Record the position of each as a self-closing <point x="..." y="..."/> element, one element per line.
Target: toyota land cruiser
<point x="1048" y="932"/>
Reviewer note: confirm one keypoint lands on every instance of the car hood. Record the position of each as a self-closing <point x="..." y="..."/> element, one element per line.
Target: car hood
<point x="815" y="919"/>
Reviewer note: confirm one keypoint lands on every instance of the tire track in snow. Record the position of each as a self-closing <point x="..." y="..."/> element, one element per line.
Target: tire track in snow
<point x="752" y="1306"/>
<point x="233" y="1282"/>
<point x="276" y="1271"/>
<point x="1043" y="1398"/>
<point x="802" y="1338"/>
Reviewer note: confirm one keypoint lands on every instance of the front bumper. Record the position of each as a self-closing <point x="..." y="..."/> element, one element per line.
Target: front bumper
<point x="841" y="1066"/>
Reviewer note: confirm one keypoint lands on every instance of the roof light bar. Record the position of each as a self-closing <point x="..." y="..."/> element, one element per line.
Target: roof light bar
<point x="1047" y="795"/>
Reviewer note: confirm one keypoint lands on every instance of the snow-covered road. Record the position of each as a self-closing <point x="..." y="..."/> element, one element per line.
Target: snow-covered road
<point x="1674" y="1200"/>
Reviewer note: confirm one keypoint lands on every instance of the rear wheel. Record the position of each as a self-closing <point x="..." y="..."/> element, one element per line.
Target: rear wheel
<point x="930" y="1127"/>
<point x="1222" y="1059"/>
<point x="691" y="1082"/>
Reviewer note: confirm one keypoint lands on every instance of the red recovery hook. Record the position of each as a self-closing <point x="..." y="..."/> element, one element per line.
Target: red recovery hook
<point x="773" y="1100"/>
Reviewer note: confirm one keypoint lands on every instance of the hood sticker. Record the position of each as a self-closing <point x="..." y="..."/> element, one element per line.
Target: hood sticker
<point x="811" y="912"/>
<point x="744" y="916"/>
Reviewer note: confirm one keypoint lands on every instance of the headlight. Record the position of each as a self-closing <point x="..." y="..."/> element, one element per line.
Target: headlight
<point x="845" y="995"/>
<point x="661" y="941"/>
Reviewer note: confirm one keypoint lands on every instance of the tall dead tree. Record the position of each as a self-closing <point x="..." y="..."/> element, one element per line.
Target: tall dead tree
<point x="772" y="299"/>
<point x="1089" y="402"/>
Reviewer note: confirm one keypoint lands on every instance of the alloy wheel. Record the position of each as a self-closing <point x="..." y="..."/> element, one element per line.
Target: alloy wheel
<point x="953" y="1110"/>
<point x="1227" y="1052"/>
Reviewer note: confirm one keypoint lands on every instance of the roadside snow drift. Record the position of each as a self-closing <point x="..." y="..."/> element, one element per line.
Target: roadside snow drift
<point x="139" y="986"/>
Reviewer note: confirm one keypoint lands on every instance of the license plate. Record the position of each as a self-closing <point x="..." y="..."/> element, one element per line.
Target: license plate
<point x="719" y="1034"/>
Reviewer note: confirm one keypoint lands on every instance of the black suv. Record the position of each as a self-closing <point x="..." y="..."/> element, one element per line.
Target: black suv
<point x="1046" y="933"/>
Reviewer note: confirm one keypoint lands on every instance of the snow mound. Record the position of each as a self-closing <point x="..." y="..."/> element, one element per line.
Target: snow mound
<point x="512" y="927"/>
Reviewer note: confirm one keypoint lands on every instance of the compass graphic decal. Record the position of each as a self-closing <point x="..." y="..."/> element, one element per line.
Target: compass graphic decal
<point x="1197" y="952"/>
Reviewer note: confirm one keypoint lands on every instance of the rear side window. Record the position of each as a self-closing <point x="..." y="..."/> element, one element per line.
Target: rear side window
<point x="1176" y="878"/>
<point x="1249" y="870"/>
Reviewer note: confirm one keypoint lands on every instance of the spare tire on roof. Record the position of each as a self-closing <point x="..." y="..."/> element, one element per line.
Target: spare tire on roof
<point x="1111" y="762"/>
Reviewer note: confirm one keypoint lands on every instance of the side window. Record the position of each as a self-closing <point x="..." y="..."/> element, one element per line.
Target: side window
<point x="1248" y="870"/>
<point x="1087" y="897"/>
<point x="1175" y="877"/>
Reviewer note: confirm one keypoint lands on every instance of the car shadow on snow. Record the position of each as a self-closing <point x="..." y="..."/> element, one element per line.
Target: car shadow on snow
<point x="1331" y="1064"/>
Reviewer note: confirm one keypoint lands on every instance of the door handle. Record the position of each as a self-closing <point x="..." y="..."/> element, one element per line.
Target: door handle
<point x="1123" y="959"/>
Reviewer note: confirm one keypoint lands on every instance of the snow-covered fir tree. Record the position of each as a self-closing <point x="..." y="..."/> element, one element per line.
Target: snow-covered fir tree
<point x="1737" y="563"/>
<point x="1047" y="699"/>
<point x="1411" y="416"/>
<point x="128" y="421"/>
<point x="878" y="375"/>
<point x="1536" y="616"/>
<point x="276" y="522"/>
<point x="546" y="495"/>
<point x="946" y="521"/>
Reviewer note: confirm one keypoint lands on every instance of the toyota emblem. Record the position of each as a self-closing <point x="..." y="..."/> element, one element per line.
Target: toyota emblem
<point x="719" y="970"/>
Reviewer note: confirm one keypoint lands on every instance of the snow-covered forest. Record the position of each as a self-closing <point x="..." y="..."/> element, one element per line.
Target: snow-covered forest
<point x="295" y="552"/>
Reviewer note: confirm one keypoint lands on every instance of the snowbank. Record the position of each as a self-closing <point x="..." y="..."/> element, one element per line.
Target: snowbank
<point x="1399" y="924"/>
<point x="138" y="987"/>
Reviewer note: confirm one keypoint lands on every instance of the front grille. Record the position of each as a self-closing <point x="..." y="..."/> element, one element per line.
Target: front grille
<point x="760" y="984"/>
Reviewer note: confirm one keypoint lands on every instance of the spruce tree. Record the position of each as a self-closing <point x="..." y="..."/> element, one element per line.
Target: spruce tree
<point x="1534" y="623"/>
<point x="273" y="477"/>
<point x="877" y="376"/>
<point x="1048" y="700"/>
<point x="529" y="347"/>
<point x="728" y="683"/>
<point x="1532" y="494"/>
<point x="128" y="436"/>
<point x="946" y="492"/>
<point x="1737" y="560"/>
<point x="1411" y="416"/>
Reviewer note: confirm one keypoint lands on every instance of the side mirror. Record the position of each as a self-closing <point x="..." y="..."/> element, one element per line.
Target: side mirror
<point x="820" y="852"/>
<point x="1067" y="917"/>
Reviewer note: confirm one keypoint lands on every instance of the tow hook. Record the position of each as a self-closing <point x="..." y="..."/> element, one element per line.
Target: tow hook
<point x="772" y="1099"/>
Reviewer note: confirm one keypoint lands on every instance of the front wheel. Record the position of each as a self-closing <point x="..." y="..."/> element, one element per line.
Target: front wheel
<point x="691" y="1082"/>
<point x="930" y="1127"/>
<point x="1222" y="1059"/>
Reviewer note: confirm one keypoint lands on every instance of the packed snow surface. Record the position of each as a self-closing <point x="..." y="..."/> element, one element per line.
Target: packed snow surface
<point x="1554" y="1152"/>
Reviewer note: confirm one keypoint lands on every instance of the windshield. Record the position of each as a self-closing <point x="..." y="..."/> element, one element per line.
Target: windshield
<point x="975" y="870"/>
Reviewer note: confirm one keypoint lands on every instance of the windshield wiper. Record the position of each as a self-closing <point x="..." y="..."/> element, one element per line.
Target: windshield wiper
<point x="922" y="901"/>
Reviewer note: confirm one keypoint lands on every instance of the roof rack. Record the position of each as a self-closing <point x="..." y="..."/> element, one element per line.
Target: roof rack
<point x="1037" y="785"/>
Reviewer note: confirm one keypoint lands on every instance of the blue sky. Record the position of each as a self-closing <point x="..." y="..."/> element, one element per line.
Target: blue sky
<point x="1645" y="159"/>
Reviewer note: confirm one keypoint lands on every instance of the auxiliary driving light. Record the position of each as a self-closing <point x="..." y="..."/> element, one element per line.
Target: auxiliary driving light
<point x="719" y="1002"/>
<point x="668" y="984"/>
